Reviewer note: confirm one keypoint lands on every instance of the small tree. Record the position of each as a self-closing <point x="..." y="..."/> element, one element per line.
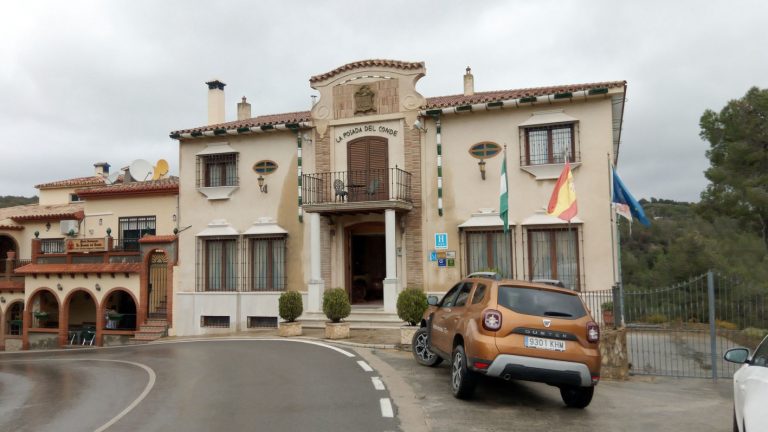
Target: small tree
<point x="336" y="304"/>
<point x="290" y="306"/>
<point x="411" y="305"/>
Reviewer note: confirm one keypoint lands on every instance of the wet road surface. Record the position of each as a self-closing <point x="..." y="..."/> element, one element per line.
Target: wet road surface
<point x="221" y="385"/>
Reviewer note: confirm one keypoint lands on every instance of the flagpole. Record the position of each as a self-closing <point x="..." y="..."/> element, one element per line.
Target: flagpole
<point x="611" y="216"/>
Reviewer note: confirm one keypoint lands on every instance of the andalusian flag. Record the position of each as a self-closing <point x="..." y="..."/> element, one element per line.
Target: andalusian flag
<point x="562" y="204"/>
<point x="503" y="194"/>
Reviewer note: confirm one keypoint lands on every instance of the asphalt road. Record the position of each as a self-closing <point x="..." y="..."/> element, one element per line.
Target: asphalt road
<point x="221" y="385"/>
<point x="640" y="405"/>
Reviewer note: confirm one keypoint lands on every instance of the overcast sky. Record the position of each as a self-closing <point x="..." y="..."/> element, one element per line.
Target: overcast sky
<point x="89" y="81"/>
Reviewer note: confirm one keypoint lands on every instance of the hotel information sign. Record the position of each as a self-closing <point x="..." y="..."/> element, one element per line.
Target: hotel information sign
<point x="441" y="240"/>
<point x="86" y="245"/>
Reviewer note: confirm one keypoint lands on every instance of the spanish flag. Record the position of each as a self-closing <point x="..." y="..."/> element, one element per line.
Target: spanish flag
<point x="562" y="204"/>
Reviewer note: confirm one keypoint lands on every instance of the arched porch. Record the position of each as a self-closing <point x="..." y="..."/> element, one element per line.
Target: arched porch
<point x="41" y="320"/>
<point x="80" y="321"/>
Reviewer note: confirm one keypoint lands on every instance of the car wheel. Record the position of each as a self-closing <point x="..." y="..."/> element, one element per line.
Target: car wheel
<point x="462" y="379"/>
<point x="421" y="351"/>
<point x="577" y="397"/>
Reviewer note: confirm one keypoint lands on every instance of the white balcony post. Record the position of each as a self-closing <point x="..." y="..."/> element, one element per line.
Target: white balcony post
<point x="316" y="283"/>
<point x="391" y="283"/>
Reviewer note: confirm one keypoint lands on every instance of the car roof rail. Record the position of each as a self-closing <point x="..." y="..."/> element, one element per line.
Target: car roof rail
<point x="485" y="274"/>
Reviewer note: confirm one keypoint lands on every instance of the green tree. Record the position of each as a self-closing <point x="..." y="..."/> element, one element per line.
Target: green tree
<point x="738" y="154"/>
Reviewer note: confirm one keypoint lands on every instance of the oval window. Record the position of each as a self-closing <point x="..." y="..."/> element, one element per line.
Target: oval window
<point x="265" y="167"/>
<point x="484" y="150"/>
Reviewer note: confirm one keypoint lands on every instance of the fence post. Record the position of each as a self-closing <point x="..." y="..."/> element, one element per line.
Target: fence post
<point x="712" y="330"/>
<point x="617" y="306"/>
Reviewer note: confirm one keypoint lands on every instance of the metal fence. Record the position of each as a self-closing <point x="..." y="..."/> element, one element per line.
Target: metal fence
<point x="356" y="186"/>
<point x="684" y="330"/>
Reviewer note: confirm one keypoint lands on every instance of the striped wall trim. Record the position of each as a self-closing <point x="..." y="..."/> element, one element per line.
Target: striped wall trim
<point x="299" y="171"/>
<point x="439" y="141"/>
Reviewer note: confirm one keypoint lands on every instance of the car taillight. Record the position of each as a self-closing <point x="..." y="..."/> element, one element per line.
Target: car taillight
<point x="593" y="332"/>
<point x="491" y="320"/>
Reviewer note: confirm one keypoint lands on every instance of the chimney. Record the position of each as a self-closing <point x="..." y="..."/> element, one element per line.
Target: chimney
<point x="102" y="169"/>
<point x="469" y="83"/>
<point x="243" y="110"/>
<point x="215" y="102"/>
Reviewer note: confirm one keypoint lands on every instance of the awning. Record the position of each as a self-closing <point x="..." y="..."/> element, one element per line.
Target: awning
<point x="217" y="148"/>
<point x="542" y="218"/>
<point x="548" y="117"/>
<point x="485" y="218"/>
<point x="265" y="226"/>
<point x="218" y="228"/>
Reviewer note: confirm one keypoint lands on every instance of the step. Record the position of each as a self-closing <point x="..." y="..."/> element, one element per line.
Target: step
<point x="152" y="329"/>
<point x="359" y="319"/>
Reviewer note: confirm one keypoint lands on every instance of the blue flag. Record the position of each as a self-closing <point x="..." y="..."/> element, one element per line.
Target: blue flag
<point x="623" y="198"/>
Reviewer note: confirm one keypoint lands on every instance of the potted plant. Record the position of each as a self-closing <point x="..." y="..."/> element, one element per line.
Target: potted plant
<point x="336" y="307"/>
<point x="113" y="319"/>
<point x="607" y="309"/>
<point x="290" y="308"/>
<point x="411" y="305"/>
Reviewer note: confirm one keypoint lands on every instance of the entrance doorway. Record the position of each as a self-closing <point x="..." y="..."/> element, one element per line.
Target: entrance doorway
<point x="366" y="264"/>
<point x="158" y="285"/>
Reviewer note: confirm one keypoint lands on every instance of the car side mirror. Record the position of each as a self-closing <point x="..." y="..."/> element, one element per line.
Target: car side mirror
<point x="737" y="355"/>
<point x="432" y="300"/>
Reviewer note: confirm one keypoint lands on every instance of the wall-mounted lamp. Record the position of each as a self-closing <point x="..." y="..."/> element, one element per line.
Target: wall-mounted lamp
<point x="174" y="217"/>
<point x="98" y="287"/>
<point x="47" y="226"/>
<point x="2" y="299"/>
<point x="420" y="126"/>
<point x="59" y="287"/>
<point x="481" y="164"/>
<point x="262" y="186"/>
<point x="101" y="221"/>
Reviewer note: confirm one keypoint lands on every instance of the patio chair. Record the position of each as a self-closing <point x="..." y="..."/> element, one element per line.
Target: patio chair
<point x="338" y="188"/>
<point x="88" y="336"/>
<point x="373" y="188"/>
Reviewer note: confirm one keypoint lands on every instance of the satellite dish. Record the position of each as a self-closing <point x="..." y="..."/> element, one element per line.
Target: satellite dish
<point x="161" y="169"/>
<point x="140" y="170"/>
<point x="112" y="178"/>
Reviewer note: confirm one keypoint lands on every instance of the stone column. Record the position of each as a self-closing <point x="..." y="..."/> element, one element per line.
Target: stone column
<point x="391" y="283"/>
<point x="316" y="283"/>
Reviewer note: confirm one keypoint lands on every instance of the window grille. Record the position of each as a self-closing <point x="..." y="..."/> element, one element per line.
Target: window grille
<point x="213" y="321"/>
<point x="262" y="322"/>
<point x="131" y="229"/>
<point x="217" y="170"/>
<point x="549" y="144"/>
<point x="554" y="254"/>
<point x="52" y="246"/>
<point x="217" y="264"/>
<point x="267" y="263"/>
<point x="490" y="251"/>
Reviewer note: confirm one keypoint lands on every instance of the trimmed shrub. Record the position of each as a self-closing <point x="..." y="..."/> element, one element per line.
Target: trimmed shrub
<point x="336" y="304"/>
<point x="290" y="306"/>
<point x="411" y="304"/>
<point x="656" y="318"/>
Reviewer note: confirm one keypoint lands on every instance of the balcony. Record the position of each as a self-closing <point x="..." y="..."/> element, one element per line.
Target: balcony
<point x="353" y="191"/>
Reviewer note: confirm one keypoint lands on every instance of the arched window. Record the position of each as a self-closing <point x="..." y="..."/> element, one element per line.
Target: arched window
<point x="484" y="150"/>
<point x="265" y="167"/>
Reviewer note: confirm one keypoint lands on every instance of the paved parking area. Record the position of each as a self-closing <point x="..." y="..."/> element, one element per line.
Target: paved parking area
<point x="642" y="404"/>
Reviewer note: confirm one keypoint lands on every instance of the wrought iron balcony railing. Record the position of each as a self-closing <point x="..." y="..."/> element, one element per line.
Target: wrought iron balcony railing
<point x="356" y="186"/>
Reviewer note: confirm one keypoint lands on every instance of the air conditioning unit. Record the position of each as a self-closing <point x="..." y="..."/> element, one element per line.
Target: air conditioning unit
<point x="69" y="225"/>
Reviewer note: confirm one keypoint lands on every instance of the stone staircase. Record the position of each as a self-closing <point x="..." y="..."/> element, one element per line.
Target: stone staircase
<point x="152" y="330"/>
<point x="360" y="318"/>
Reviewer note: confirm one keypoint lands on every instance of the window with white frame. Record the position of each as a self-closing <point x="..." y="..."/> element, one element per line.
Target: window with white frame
<point x="267" y="263"/>
<point x="219" y="259"/>
<point x="554" y="254"/>
<point x="490" y="251"/>
<point x="550" y="144"/>
<point x="218" y="169"/>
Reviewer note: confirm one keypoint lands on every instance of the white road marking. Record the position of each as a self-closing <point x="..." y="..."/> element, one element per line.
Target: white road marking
<point x="365" y="366"/>
<point x="310" y="342"/>
<point x="386" y="408"/>
<point x="131" y="406"/>
<point x="378" y="384"/>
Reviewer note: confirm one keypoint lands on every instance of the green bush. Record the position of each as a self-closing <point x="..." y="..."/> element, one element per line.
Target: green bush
<point x="336" y="304"/>
<point x="657" y="318"/>
<point x="607" y="306"/>
<point x="290" y="305"/>
<point x="411" y="304"/>
<point x="726" y="325"/>
<point x="756" y="333"/>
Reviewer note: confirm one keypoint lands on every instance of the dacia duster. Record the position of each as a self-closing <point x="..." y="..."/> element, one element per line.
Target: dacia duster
<point x="512" y="329"/>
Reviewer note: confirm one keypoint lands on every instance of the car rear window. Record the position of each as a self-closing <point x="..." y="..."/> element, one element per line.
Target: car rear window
<point x="539" y="302"/>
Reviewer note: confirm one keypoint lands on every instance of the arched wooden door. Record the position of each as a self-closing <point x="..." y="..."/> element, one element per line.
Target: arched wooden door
<point x="158" y="285"/>
<point x="368" y="167"/>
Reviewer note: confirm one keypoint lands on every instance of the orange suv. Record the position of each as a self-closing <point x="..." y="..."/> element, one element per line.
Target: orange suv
<point x="512" y="330"/>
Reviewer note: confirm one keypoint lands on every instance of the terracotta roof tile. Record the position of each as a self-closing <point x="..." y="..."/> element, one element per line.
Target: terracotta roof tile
<point x="79" y="268"/>
<point x="492" y="96"/>
<point x="366" y="64"/>
<point x="168" y="185"/>
<point x="265" y="120"/>
<point x="74" y="182"/>
<point x="158" y="239"/>
<point x="42" y="212"/>
<point x="12" y="285"/>
<point x="9" y="224"/>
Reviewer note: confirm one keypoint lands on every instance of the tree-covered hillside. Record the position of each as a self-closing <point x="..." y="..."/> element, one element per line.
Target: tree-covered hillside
<point x="680" y="244"/>
<point x="10" y="200"/>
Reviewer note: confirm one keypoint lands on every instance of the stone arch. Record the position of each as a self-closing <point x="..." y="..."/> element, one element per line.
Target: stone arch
<point x="13" y="317"/>
<point x="122" y="307"/>
<point x="83" y="317"/>
<point x="40" y="292"/>
<point x="7" y="243"/>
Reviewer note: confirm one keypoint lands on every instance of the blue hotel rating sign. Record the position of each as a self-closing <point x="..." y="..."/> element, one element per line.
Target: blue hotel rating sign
<point x="441" y="240"/>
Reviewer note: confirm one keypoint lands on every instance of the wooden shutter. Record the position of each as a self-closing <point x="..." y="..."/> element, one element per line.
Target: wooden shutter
<point x="378" y="160"/>
<point x="367" y="163"/>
